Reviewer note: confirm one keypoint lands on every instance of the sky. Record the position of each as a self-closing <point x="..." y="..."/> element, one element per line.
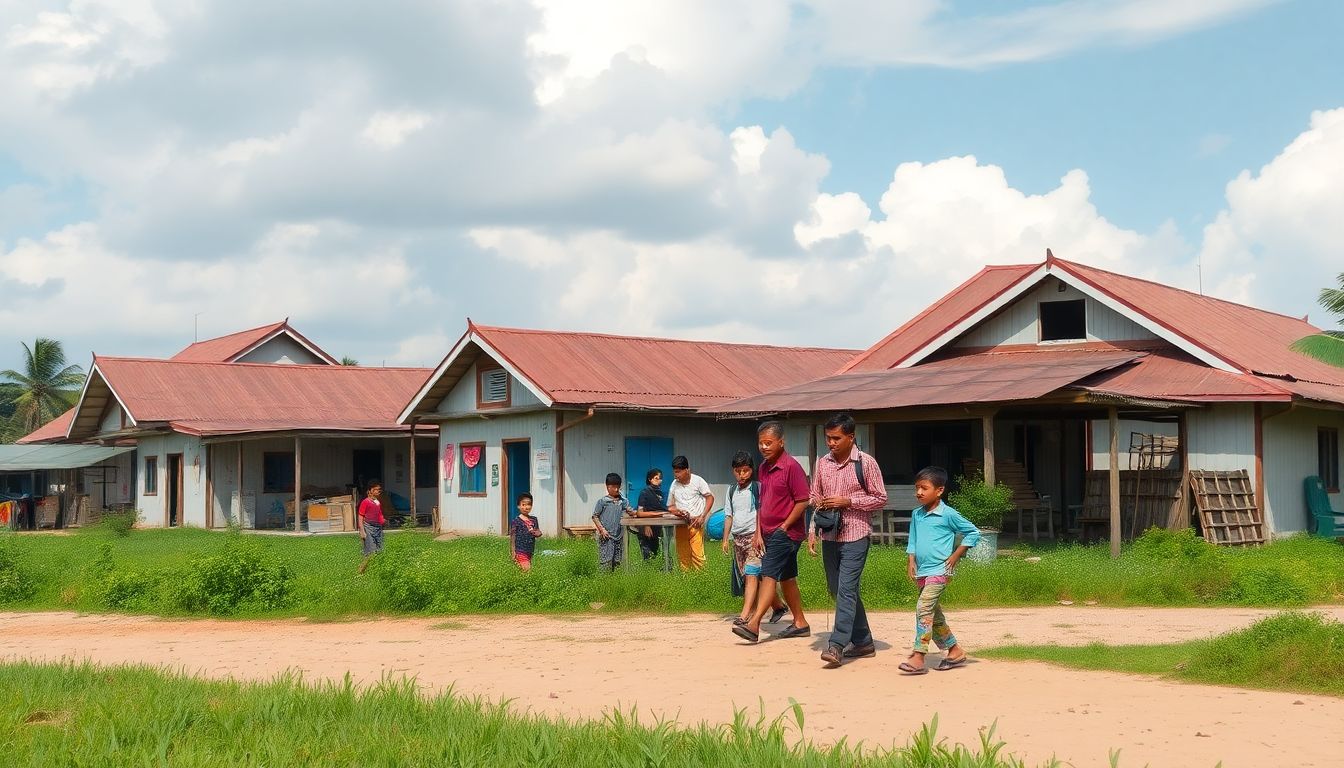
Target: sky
<point x="809" y="173"/>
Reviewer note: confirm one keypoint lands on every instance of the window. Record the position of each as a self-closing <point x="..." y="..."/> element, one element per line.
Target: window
<point x="426" y="469"/>
<point x="492" y="387"/>
<point x="471" y="479"/>
<point x="1327" y="458"/>
<point x="151" y="475"/>
<point x="277" y="472"/>
<point x="1063" y="320"/>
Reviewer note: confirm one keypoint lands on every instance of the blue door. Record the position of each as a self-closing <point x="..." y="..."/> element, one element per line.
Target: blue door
<point x="641" y="455"/>
<point x="518" y="477"/>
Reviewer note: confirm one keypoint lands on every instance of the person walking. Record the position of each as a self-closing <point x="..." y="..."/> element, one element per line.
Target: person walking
<point x="849" y="481"/>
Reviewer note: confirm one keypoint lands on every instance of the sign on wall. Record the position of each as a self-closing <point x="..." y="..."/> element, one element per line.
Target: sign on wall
<point x="542" y="463"/>
<point x="494" y="475"/>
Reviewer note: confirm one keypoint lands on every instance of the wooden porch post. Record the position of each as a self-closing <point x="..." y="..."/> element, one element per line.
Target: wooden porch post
<point x="298" y="485"/>
<point x="238" y="481"/>
<point x="1114" y="417"/>
<point x="412" y="467"/>
<point x="209" y="488"/>
<point x="987" y="427"/>
<point x="1182" y="513"/>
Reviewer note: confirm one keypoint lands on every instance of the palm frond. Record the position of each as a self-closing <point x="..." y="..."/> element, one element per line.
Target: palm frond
<point x="1326" y="347"/>
<point x="1333" y="299"/>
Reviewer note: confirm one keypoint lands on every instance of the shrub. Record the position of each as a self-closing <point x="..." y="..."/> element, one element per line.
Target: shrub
<point x="126" y="590"/>
<point x="240" y="574"/>
<point x="118" y="522"/>
<point x="15" y="581"/>
<point x="1266" y="584"/>
<point x="981" y="503"/>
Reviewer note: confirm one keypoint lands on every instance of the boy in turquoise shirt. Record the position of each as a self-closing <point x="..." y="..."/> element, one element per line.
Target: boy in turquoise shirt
<point x="933" y="555"/>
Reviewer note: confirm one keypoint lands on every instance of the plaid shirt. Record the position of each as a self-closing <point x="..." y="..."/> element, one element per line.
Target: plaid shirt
<point x="833" y="478"/>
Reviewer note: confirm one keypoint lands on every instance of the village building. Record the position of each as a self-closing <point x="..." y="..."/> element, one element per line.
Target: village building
<point x="1032" y="369"/>
<point x="232" y="430"/>
<point x="552" y="413"/>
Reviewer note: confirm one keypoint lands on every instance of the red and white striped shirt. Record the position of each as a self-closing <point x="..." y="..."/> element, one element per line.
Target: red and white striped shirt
<point x="834" y="478"/>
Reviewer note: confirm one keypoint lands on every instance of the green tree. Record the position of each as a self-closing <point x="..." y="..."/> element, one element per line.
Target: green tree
<point x="348" y="360"/>
<point x="45" y="388"/>
<point x="1327" y="346"/>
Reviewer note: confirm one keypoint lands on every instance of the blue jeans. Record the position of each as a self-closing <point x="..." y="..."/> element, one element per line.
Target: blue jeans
<point x="844" y="561"/>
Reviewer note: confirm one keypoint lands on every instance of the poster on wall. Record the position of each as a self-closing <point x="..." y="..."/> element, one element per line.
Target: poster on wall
<point x="542" y="463"/>
<point x="449" y="462"/>
<point x="494" y="475"/>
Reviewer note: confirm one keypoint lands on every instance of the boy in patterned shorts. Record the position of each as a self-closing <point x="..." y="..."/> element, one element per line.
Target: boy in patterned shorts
<point x="739" y="528"/>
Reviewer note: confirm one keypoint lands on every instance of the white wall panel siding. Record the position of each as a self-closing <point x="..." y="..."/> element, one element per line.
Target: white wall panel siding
<point x="486" y="514"/>
<point x="282" y="349"/>
<point x="1222" y="437"/>
<point x="153" y="509"/>
<point x="462" y="398"/>
<point x="1290" y="457"/>
<point x="1016" y="323"/>
<point x="111" y="418"/>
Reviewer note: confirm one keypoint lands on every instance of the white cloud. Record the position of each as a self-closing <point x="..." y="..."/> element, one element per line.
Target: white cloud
<point x="386" y="130"/>
<point x="1278" y="241"/>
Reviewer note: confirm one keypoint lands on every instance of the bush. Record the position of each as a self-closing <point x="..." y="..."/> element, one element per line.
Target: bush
<point x="127" y="591"/>
<point x="982" y="504"/>
<point x="118" y="522"/>
<point x="241" y="574"/>
<point x="1266" y="584"/>
<point x="16" y="582"/>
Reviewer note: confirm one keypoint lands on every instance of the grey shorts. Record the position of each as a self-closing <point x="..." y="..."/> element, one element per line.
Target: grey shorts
<point x="373" y="538"/>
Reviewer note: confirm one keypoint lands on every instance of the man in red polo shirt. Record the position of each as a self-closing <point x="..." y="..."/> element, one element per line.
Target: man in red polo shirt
<point x="779" y="532"/>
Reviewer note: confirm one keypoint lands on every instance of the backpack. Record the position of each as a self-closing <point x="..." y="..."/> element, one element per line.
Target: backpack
<point x="755" y="487"/>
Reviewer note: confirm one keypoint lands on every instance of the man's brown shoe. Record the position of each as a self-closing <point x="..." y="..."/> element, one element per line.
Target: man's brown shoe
<point x="831" y="656"/>
<point x="861" y="651"/>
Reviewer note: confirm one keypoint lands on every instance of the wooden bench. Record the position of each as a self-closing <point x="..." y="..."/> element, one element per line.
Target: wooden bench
<point x="581" y="531"/>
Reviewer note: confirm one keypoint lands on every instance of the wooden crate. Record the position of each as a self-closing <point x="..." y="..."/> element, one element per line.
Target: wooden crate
<point x="1228" y="513"/>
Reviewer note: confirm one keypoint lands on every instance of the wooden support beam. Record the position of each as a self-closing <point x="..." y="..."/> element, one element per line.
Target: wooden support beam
<point x="298" y="485"/>
<point x="558" y="467"/>
<point x="1114" y="418"/>
<point x="411" y="463"/>
<point x="987" y="428"/>
<point x="209" y="488"/>
<point x="238" y="480"/>
<point x="1260" y="470"/>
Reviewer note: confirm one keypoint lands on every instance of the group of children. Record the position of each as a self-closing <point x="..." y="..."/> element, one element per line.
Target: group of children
<point x="933" y="550"/>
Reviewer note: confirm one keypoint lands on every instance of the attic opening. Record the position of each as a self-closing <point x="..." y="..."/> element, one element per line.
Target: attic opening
<point x="1063" y="320"/>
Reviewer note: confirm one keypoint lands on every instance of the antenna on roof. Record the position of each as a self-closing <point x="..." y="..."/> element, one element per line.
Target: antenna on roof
<point x="196" y="327"/>
<point x="1199" y="269"/>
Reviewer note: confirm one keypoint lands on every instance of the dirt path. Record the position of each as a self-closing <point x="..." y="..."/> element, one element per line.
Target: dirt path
<point x="692" y="668"/>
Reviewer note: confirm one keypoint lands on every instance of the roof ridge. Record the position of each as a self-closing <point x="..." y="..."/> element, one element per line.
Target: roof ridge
<point x="268" y="366"/>
<point x="1193" y="294"/>
<point x="660" y="339"/>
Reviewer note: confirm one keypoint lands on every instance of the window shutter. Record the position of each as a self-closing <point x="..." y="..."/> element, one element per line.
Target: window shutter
<point x="495" y="386"/>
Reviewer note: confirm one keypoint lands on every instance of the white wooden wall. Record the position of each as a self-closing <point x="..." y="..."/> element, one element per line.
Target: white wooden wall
<point x="1101" y="439"/>
<point x="462" y="398"/>
<point x="282" y="350"/>
<point x="152" y="508"/>
<point x="1016" y="323"/>
<point x="486" y="514"/>
<point x="1291" y="456"/>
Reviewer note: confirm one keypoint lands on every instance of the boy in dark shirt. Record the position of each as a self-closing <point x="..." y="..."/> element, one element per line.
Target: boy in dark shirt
<point x="523" y="533"/>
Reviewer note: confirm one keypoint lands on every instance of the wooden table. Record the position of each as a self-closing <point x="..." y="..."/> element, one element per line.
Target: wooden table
<point x="666" y="523"/>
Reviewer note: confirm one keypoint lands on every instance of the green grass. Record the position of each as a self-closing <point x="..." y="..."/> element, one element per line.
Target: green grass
<point x="1291" y="651"/>
<point x="194" y="572"/>
<point x="92" y="716"/>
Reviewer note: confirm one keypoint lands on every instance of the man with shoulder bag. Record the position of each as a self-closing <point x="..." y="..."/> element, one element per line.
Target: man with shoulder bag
<point x="847" y="489"/>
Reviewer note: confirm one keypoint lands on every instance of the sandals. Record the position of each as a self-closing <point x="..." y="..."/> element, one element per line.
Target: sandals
<point x="792" y="631"/>
<point x="947" y="664"/>
<point x="746" y="634"/>
<point x="778" y="614"/>
<point x="910" y="669"/>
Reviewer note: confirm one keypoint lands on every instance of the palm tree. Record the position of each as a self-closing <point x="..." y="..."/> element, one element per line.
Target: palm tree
<point x="46" y="388"/>
<point x="1327" y="346"/>
<point x="348" y="360"/>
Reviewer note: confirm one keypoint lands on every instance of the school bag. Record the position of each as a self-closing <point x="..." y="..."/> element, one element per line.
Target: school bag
<point x="827" y="520"/>
<point x="739" y="581"/>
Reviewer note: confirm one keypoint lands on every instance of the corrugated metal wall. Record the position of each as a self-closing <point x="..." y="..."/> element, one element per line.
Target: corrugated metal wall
<point x="1016" y="323"/>
<point x="486" y="514"/>
<point x="281" y="349"/>
<point x="152" y="508"/>
<point x="1291" y="456"/>
<point x="463" y="397"/>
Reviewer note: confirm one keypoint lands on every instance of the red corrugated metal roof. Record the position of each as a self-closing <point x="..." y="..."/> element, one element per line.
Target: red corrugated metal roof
<point x="1173" y="375"/>
<point x="1252" y="339"/>
<point x="227" y="349"/>
<point x="595" y="368"/>
<point x="933" y="322"/>
<point x="981" y="378"/>
<point x="226" y="398"/>
<point x="51" y="431"/>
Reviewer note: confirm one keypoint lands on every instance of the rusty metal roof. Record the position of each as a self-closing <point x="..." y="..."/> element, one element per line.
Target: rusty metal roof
<point x="946" y="313"/>
<point x="234" y="398"/>
<point x="584" y="369"/>
<point x="50" y="432"/>
<point x="979" y="378"/>
<point x="227" y="349"/>
<point x="1169" y="374"/>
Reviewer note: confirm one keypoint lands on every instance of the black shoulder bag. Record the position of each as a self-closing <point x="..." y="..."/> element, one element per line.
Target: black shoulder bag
<point x="828" y="520"/>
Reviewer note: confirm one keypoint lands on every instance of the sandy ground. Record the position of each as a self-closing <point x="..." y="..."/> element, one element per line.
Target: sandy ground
<point x="692" y="668"/>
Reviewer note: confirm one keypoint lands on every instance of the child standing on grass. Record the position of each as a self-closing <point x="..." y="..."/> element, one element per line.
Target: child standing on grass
<point x="739" y="525"/>
<point x="607" y="519"/>
<point x="523" y="533"/>
<point x="371" y="522"/>
<point x="651" y="504"/>
<point x="934" y="527"/>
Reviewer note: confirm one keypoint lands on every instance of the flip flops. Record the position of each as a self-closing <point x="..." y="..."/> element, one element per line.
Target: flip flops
<point x="746" y="634"/>
<point x="910" y="669"/>
<point x="947" y="664"/>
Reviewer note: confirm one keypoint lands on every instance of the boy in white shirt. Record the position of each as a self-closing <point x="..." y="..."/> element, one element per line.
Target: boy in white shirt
<point x="691" y="500"/>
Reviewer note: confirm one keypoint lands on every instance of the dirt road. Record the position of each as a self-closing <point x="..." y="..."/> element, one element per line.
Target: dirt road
<point x="692" y="668"/>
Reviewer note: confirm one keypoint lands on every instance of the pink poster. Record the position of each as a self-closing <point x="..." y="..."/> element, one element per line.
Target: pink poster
<point x="448" y="461"/>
